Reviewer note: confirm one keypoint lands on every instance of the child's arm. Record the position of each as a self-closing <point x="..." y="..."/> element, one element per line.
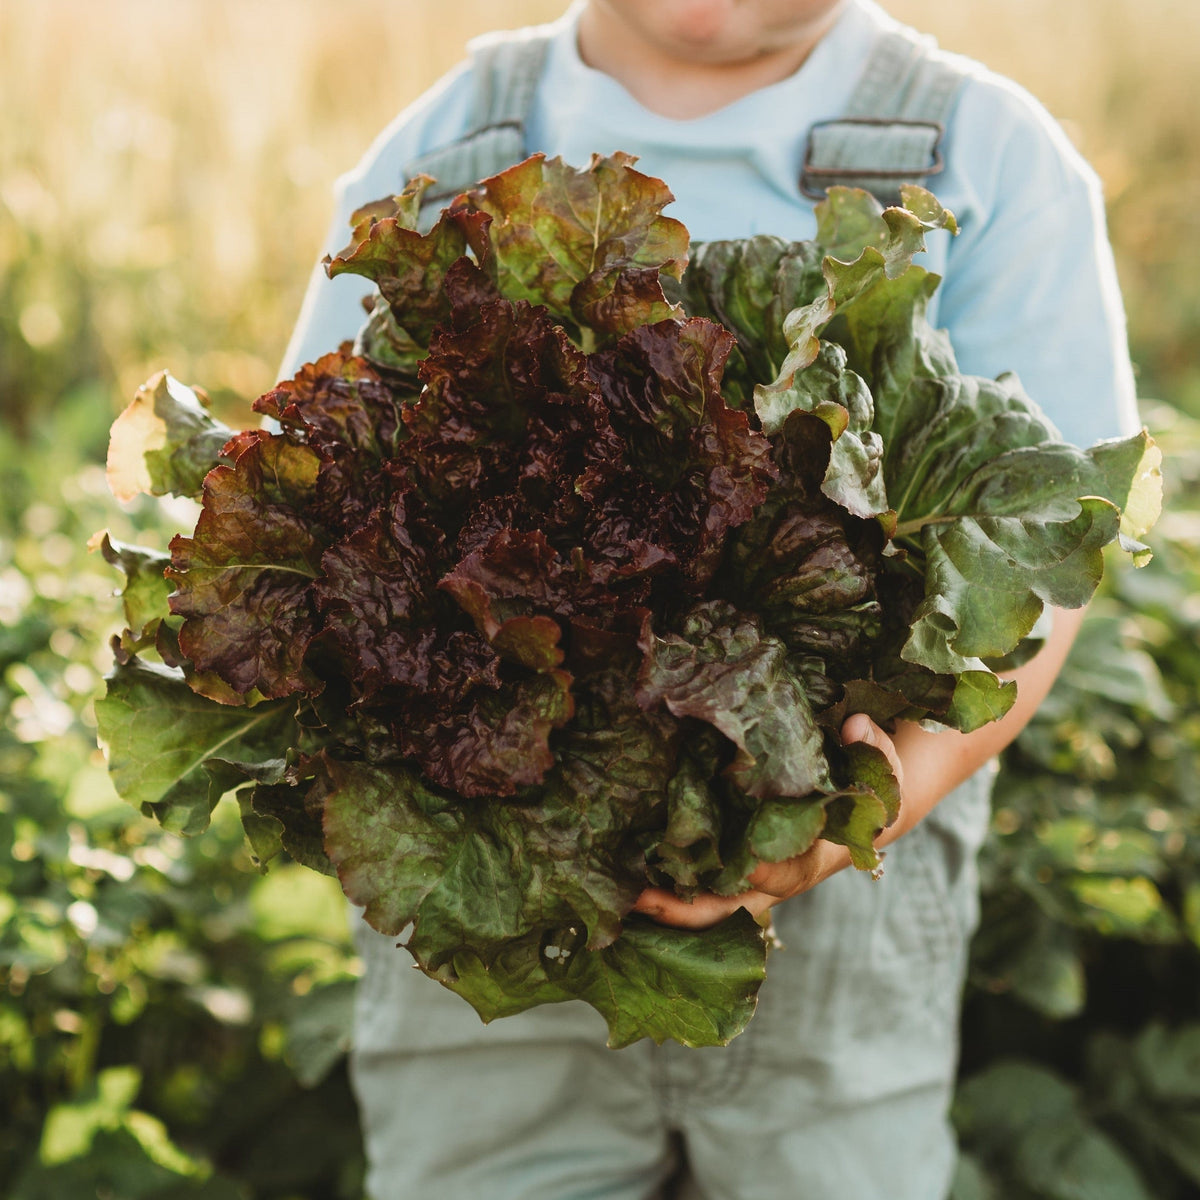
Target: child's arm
<point x="928" y="766"/>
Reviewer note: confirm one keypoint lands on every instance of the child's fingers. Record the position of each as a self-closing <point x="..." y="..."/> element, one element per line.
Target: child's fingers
<point x="703" y="912"/>
<point x="860" y="728"/>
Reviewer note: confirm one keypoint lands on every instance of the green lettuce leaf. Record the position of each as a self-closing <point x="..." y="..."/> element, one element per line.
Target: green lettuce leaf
<point x="144" y="596"/>
<point x="158" y="736"/>
<point x="749" y="286"/>
<point x="865" y="248"/>
<point x="474" y="876"/>
<point x="721" y="669"/>
<point x="695" y="987"/>
<point x="165" y="442"/>
<point x="863" y="800"/>
<point x="997" y="514"/>
<point x="687" y="854"/>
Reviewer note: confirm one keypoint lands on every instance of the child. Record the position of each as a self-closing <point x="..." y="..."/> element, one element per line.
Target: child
<point x="840" y="1086"/>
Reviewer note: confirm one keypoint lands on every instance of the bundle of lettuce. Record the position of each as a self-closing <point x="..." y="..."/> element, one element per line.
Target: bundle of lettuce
<point x="560" y="581"/>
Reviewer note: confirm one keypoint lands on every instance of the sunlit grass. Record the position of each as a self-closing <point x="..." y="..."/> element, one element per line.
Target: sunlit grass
<point x="165" y="168"/>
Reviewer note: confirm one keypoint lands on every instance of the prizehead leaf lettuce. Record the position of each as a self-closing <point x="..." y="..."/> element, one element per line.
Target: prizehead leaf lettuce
<point x="561" y="582"/>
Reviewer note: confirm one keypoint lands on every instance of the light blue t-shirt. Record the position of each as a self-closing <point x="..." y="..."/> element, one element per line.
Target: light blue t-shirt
<point x="1028" y="286"/>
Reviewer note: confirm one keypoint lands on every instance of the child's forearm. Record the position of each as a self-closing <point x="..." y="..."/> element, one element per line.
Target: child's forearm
<point x="934" y="763"/>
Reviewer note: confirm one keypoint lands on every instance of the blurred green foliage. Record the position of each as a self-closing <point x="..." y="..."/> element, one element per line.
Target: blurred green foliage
<point x="172" y="1023"/>
<point x="1081" y="1035"/>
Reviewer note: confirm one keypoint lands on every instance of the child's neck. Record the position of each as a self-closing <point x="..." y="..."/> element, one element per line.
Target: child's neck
<point x="675" y="82"/>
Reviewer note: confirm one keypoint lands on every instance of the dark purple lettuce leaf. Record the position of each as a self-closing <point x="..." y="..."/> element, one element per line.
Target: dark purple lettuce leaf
<point x="337" y="404"/>
<point x="507" y="405"/>
<point x="805" y="564"/>
<point x="662" y="386"/>
<point x="342" y="408"/>
<point x="510" y="587"/>
<point x="376" y="595"/>
<point x="496" y="741"/>
<point x="243" y="580"/>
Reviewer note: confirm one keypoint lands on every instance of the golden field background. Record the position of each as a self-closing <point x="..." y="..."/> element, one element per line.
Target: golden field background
<point x="165" y="168"/>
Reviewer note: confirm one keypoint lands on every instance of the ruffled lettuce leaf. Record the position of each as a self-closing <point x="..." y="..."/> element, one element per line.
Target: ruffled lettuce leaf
<point x="686" y="855"/>
<point x="590" y="244"/>
<point x="993" y="510"/>
<point x="144" y="595"/>
<point x="995" y="514"/>
<point x="721" y="669"/>
<point x="340" y="405"/>
<point x="407" y="267"/>
<point x="695" y="987"/>
<point x="749" y="286"/>
<point x="473" y="876"/>
<point x="661" y="385"/>
<point x="514" y="588"/>
<point x="781" y="792"/>
<point x="244" y="578"/>
<point x="494" y="741"/>
<point x="507" y="405"/>
<point x="806" y="564"/>
<point x="376" y="594"/>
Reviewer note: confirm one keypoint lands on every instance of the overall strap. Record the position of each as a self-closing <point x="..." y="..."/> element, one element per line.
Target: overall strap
<point x="893" y="127"/>
<point x="506" y="69"/>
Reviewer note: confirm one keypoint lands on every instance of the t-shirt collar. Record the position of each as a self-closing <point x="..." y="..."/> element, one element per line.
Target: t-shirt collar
<point x="819" y="88"/>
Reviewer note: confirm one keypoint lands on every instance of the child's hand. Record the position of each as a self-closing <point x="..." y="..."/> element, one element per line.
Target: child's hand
<point x="928" y="765"/>
<point x="772" y="881"/>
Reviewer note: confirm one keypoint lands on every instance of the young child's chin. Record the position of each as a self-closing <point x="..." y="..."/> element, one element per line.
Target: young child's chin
<point x="722" y="31"/>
